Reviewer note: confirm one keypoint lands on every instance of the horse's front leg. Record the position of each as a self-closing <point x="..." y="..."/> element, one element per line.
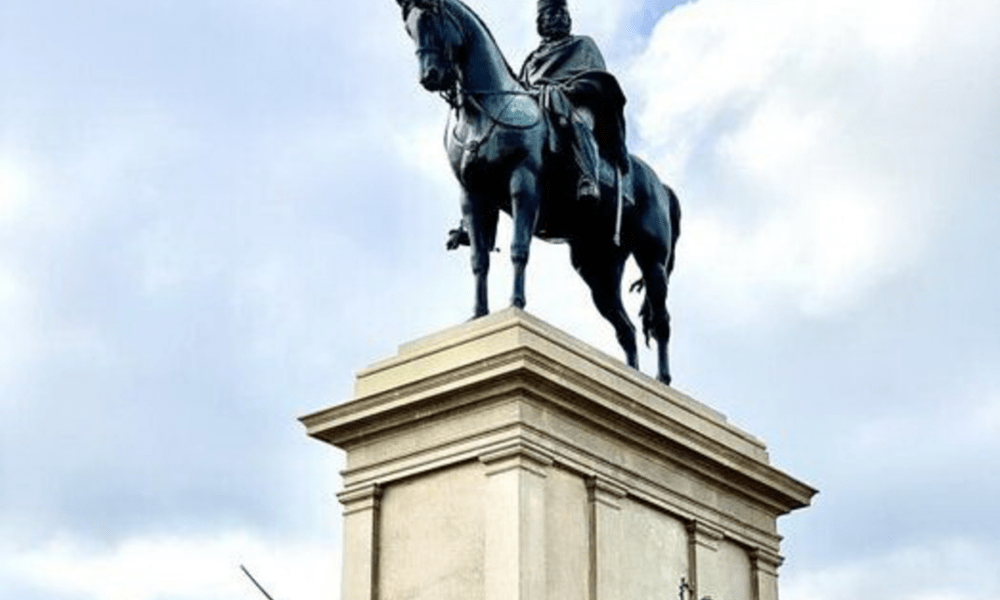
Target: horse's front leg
<point x="480" y="219"/>
<point x="524" y="210"/>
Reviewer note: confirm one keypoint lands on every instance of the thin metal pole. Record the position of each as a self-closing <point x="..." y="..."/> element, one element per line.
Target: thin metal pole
<point x="259" y="586"/>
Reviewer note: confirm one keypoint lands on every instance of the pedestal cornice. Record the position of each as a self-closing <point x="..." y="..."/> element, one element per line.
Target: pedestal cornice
<point x="512" y="354"/>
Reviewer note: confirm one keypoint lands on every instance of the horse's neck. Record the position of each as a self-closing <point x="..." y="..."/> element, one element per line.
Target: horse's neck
<point x="484" y="68"/>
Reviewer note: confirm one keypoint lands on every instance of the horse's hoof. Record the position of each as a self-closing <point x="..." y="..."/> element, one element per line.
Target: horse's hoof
<point x="664" y="378"/>
<point x="517" y="303"/>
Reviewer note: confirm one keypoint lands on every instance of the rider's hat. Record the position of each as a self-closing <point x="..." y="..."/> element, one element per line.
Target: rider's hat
<point x="550" y="4"/>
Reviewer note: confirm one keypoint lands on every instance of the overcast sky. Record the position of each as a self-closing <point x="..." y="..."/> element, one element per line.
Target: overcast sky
<point x="214" y="212"/>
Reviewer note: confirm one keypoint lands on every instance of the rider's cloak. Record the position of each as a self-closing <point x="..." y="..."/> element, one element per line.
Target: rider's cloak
<point x="573" y="67"/>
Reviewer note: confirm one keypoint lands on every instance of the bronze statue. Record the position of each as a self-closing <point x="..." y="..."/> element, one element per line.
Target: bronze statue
<point x="505" y="146"/>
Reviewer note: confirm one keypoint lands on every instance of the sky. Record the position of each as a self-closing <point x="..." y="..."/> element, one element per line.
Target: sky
<point x="214" y="212"/>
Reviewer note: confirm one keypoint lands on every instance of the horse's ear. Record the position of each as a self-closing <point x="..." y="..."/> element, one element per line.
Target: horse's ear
<point x="428" y="5"/>
<point x="431" y="5"/>
<point x="404" y="7"/>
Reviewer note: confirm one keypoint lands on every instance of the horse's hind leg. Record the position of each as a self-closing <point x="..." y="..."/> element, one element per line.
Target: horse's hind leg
<point x="607" y="299"/>
<point x="481" y="222"/>
<point x="602" y="272"/>
<point x="661" y="332"/>
<point x="655" y="223"/>
<point x="655" y="318"/>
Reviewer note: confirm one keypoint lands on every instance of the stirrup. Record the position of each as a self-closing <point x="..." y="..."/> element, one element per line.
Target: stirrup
<point x="588" y="191"/>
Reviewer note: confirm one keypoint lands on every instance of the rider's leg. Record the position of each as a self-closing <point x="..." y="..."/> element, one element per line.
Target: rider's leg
<point x="586" y="154"/>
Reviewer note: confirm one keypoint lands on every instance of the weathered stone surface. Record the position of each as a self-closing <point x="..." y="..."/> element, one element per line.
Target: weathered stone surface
<point x="502" y="459"/>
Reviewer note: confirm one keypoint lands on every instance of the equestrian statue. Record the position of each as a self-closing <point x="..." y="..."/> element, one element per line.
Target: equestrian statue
<point x="548" y="148"/>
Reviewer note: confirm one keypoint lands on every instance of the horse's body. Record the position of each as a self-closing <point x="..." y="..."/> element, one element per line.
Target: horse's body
<point x="496" y="144"/>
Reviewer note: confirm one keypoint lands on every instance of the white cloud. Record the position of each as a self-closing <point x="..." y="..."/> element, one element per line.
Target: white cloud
<point x="175" y="567"/>
<point x="19" y="203"/>
<point x="51" y="204"/>
<point x="16" y="347"/>
<point x="814" y="256"/>
<point x="953" y="569"/>
<point x="796" y="134"/>
<point x="963" y="429"/>
<point x="17" y="186"/>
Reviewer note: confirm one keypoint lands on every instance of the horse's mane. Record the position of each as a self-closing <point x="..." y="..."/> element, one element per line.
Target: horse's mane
<point x="489" y="33"/>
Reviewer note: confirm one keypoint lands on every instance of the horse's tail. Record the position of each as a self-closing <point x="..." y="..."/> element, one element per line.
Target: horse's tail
<point x="675" y="226"/>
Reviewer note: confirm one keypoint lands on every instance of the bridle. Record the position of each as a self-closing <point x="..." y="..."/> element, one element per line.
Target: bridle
<point x="437" y="10"/>
<point x="456" y="95"/>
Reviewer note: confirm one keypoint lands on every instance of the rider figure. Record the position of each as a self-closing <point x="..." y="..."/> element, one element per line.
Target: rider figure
<point x="582" y="99"/>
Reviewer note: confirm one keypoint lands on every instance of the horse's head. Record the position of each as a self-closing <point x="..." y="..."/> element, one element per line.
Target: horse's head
<point x="435" y="32"/>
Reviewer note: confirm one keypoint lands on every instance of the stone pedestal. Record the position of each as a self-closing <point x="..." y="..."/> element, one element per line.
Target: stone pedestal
<point x="504" y="460"/>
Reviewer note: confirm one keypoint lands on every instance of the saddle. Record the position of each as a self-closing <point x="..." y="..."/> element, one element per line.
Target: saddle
<point x="522" y="110"/>
<point x="516" y="109"/>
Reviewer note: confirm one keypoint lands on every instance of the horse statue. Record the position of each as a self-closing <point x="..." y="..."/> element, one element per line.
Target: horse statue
<point x="497" y="141"/>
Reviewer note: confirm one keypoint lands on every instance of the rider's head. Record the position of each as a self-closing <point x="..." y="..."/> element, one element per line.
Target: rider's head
<point x="553" y="19"/>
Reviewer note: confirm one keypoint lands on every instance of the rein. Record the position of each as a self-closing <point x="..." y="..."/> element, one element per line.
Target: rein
<point x="457" y="96"/>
